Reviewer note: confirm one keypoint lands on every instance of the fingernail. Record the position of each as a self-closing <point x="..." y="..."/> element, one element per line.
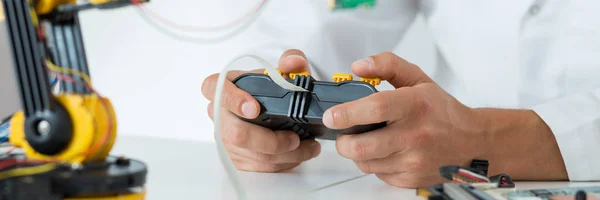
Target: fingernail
<point x="294" y="56"/>
<point x="315" y="149"/>
<point x="328" y="118"/>
<point x="248" y="109"/>
<point x="366" y="62"/>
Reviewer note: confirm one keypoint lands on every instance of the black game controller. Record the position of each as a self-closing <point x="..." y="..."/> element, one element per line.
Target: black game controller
<point x="302" y="112"/>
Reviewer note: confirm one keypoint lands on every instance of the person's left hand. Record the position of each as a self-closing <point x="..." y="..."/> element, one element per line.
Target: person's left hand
<point x="426" y="127"/>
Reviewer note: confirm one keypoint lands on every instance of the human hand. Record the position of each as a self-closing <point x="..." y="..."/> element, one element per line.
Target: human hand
<point x="426" y="127"/>
<point x="252" y="147"/>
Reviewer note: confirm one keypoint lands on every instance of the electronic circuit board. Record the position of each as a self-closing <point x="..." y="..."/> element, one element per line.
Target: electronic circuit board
<point x="489" y="191"/>
<point x="473" y="184"/>
<point x="350" y="4"/>
<point x="553" y="194"/>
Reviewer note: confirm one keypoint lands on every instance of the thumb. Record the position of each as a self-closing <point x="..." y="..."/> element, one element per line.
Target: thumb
<point x="390" y="67"/>
<point x="293" y="60"/>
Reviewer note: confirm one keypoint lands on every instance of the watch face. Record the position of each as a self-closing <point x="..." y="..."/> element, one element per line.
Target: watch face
<point x="9" y="95"/>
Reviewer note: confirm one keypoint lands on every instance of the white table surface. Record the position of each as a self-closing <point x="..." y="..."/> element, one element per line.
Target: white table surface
<point x="191" y="170"/>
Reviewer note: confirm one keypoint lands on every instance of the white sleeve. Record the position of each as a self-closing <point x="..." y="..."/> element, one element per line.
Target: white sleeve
<point x="574" y="117"/>
<point x="575" y="122"/>
<point x="332" y="40"/>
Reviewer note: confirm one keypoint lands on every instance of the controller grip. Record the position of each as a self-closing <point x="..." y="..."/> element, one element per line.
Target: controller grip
<point x="302" y="112"/>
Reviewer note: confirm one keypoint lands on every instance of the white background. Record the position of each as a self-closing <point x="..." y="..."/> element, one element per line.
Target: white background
<point x="154" y="81"/>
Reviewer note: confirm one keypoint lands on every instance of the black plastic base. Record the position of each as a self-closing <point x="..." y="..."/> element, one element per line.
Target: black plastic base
<point x="302" y="112"/>
<point x="114" y="176"/>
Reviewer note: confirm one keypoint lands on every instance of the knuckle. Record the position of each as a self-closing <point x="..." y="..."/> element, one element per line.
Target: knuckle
<point x="417" y="68"/>
<point x="357" y="149"/>
<point x="345" y="115"/>
<point x="266" y="158"/>
<point x="423" y="137"/>
<point x="225" y="140"/>
<point x="238" y="137"/>
<point x="381" y="177"/>
<point x="421" y="183"/>
<point x="232" y="101"/>
<point x="238" y="164"/>
<point x="210" y="110"/>
<point x="208" y="85"/>
<point x="388" y="54"/>
<point x="421" y="75"/>
<point x="232" y="74"/>
<point x="305" y="155"/>
<point x="380" y="106"/>
<point x="407" y="183"/>
<point x="276" y="144"/>
<point x="397" y="180"/>
<point x="270" y="168"/>
<point x="390" y="58"/>
<point x="414" y="164"/>
<point x="387" y="178"/>
<point x="365" y="167"/>
<point x="272" y="147"/>
<point x="416" y="180"/>
<point x="421" y="105"/>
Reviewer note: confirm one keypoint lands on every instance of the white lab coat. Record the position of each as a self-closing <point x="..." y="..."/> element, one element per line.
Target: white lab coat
<point x="540" y="55"/>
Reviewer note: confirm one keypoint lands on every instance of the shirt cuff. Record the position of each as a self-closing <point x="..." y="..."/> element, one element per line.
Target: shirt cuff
<point x="575" y="122"/>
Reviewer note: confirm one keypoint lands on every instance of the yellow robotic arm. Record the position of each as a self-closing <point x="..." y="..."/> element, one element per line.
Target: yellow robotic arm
<point x="66" y="138"/>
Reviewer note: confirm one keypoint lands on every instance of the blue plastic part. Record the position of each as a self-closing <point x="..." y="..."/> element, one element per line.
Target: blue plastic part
<point x="4" y="132"/>
<point x="53" y="81"/>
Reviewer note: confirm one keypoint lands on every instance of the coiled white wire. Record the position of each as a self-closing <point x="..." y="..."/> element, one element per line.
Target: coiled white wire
<point x="244" y="25"/>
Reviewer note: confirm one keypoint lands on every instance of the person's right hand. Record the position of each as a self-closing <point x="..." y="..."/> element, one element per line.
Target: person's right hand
<point x="252" y="147"/>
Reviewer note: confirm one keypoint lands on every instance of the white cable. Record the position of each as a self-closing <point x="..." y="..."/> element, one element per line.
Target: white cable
<point x="192" y="28"/>
<point x="202" y="40"/>
<point x="277" y="78"/>
<point x="225" y="159"/>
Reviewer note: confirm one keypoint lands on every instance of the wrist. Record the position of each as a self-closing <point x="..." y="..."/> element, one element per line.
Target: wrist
<point x="483" y="128"/>
<point x="501" y="128"/>
<point x="516" y="142"/>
